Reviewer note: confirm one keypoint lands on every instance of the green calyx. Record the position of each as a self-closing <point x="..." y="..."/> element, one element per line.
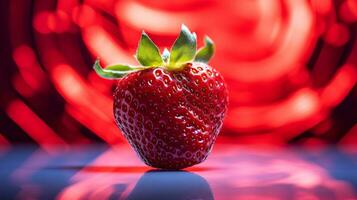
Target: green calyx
<point x="148" y="55"/>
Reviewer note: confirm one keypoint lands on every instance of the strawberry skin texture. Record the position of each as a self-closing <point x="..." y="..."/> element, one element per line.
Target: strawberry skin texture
<point x="171" y="118"/>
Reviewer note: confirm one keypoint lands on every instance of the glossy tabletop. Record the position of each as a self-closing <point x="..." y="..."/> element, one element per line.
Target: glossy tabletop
<point x="230" y="172"/>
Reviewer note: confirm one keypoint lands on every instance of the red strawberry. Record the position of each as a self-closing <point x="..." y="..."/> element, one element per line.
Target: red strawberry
<point x="170" y="109"/>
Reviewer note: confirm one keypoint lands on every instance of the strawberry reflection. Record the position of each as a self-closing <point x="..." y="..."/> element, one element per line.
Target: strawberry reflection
<point x="175" y="185"/>
<point x="153" y="184"/>
<point x="249" y="174"/>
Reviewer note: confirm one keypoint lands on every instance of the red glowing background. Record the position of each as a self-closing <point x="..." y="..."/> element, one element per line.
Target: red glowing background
<point x="290" y="66"/>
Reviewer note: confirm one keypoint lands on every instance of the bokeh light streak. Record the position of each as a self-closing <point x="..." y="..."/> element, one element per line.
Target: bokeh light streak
<point x="29" y="69"/>
<point x="78" y="94"/>
<point x="4" y="143"/>
<point x="33" y="125"/>
<point x="110" y="135"/>
<point x="142" y="17"/>
<point x="101" y="44"/>
<point x="349" y="141"/>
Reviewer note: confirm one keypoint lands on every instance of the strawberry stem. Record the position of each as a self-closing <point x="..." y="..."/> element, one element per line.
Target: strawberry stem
<point x="183" y="51"/>
<point x="115" y="71"/>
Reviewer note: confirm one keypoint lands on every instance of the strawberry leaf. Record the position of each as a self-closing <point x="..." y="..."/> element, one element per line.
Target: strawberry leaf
<point x="184" y="48"/>
<point x="205" y="53"/>
<point x="147" y="53"/>
<point x="114" y="71"/>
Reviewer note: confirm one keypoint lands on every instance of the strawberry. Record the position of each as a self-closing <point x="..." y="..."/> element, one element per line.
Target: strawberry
<point x="171" y="108"/>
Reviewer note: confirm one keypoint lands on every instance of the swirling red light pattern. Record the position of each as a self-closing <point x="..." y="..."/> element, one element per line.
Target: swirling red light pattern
<point x="290" y="66"/>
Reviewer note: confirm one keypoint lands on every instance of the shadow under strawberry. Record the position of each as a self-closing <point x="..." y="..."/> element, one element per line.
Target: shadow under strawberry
<point x="174" y="185"/>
